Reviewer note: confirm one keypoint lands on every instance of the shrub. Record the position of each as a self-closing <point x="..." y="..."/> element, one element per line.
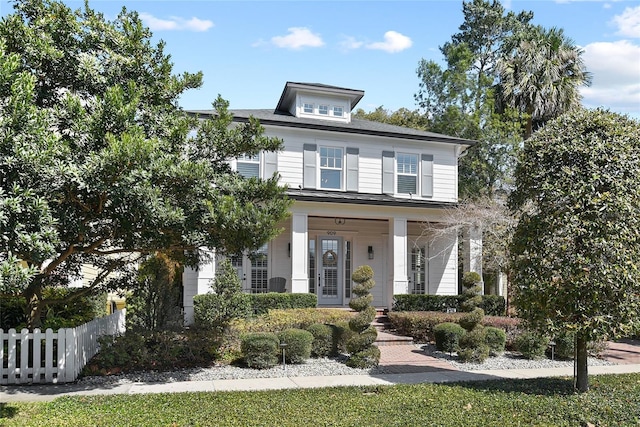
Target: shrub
<point x="473" y="346"/>
<point x="260" y="350"/>
<point x="447" y="336"/>
<point x="496" y="339"/>
<point x="360" y="324"/>
<point x="301" y="318"/>
<point x="263" y="303"/>
<point x="471" y="320"/>
<point x="511" y="326"/>
<point x="420" y="325"/>
<point x="565" y="345"/>
<point x="227" y="302"/>
<point x="341" y="334"/>
<point x="493" y="305"/>
<point x="298" y="342"/>
<point x="531" y="345"/>
<point x="471" y="281"/>
<point x="322" y="344"/>
<point x="365" y="359"/>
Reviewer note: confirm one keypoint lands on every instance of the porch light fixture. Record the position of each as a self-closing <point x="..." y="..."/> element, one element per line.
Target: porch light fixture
<point x="370" y="252"/>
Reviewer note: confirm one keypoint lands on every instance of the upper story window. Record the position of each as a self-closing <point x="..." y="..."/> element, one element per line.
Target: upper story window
<point x="308" y="108"/>
<point x="407" y="173"/>
<point x="323" y="110"/>
<point x="249" y="166"/>
<point x="331" y="167"/>
<point x="338" y="111"/>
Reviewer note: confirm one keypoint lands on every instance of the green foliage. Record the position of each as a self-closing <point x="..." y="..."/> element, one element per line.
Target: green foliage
<point x="262" y="303"/>
<point x="299" y="343"/>
<point x="565" y="345"/>
<point x="470" y="320"/>
<point x="360" y="345"/>
<point x="525" y="402"/>
<point x="154" y="305"/>
<point x="322" y="345"/>
<point x="302" y="318"/>
<point x="495" y="339"/>
<point x="447" y="335"/>
<point x="471" y="279"/>
<point x="342" y="334"/>
<point x="532" y="345"/>
<point x="473" y="346"/>
<point x="365" y="359"/>
<point x="154" y="351"/>
<point x="575" y="249"/>
<point x="493" y="305"/>
<point x="215" y="311"/>
<point x="96" y="160"/>
<point x="420" y="325"/>
<point x="260" y="350"/>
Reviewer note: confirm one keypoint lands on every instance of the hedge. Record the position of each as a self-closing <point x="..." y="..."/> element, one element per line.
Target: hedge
<point x="493" y="305"/>
<point x="262" y="303"/>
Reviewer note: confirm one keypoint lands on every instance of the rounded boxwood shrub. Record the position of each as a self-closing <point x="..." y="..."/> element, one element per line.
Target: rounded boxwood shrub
<point x="260" y="350"/>
<point x="447" y="336"/>
<point x="322" y="344"/>
<point x="298" y="343"/>
<point x="531" y="344"/>
<point x="496" y="339"/>
<point x="471" y="320"/>
<point x="341" y="333"/>
<point x="473" y="346"/>
<point x="364" y="359"/>
<point x="361" y="341"/>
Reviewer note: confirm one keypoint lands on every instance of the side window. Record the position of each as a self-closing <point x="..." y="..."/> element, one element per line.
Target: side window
<point x="249" y="166"/>
<point x="331" y="161"/>
<point x="407" y="173"/>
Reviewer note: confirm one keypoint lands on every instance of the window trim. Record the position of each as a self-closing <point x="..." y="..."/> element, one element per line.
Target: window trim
<point x="256" y="159"/>
<point x="415" y="175"/>
<point x="320" y="168"/>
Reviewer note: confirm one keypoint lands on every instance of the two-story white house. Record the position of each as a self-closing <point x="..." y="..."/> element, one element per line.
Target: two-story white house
<point x="362" y="191"/>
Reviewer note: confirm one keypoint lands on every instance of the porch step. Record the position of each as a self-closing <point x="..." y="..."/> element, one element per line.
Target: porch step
<point x="385" y="339"/>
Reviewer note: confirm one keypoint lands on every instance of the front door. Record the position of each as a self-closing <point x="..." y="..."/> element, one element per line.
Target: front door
<point x="330" y="286"/>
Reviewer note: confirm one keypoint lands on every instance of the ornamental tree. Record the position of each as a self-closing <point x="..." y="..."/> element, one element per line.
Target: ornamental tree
<point x="575" y="251"/>
<point x="99" y="165"/>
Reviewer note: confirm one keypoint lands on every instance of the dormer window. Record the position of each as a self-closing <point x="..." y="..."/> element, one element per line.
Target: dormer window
<point x="308" y="108"/>
<point x="338" y="111"/>
<point x="323" y="110"/>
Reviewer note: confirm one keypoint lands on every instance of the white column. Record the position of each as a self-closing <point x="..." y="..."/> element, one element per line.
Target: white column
<point x="398" y="238"/>
<point x="473" y="250"/>
<point x="197" y="282"/>
<point x="299" y="253"/>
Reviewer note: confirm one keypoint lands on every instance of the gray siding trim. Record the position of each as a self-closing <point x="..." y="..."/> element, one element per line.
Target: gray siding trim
<point x="309" y="159"/>
<point x="352" y="168"/>
<point x="427" y="175"/>
<point x="388" y="172"/>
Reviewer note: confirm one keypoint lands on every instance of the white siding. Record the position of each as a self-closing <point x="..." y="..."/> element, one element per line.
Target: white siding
<point x="443" y="265"/>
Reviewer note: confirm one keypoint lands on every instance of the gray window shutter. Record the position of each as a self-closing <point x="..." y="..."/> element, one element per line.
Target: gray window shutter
<point x="427" y="175"/>
<point x="270" y="163"/>
<point x="309" y="160"/>
<point x="388" y="172"/>
<point x="352" y="169"/>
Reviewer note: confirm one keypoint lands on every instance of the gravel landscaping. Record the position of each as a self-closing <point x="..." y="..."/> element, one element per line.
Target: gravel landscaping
<point x="324" y="367"/>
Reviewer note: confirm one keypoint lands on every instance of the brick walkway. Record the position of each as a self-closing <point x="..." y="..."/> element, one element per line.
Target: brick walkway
<point x="410" y="358"/>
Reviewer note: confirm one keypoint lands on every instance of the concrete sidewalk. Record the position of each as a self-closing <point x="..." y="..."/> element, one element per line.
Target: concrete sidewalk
<point x="34" y="393"/>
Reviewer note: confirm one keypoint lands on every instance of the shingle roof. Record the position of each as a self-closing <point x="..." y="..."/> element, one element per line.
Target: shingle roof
<point x="361" y="198"/>
<point x="269" y="117"/>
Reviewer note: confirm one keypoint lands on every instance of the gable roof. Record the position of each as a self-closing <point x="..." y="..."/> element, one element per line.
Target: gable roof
<point x="269" y="117"/>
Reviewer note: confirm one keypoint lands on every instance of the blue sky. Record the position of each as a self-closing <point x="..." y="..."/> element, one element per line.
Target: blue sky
<point x="248" y="50"/>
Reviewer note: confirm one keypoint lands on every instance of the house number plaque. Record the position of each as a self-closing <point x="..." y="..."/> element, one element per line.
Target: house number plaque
<point x="331" y="232"/>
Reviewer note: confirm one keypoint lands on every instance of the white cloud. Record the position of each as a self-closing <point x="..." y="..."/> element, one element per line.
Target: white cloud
<point x="629" y="22"/>
<point x="615" y="67"/>
<point x="298" y="38"/>
<point x="393" y="42"/>
<point x="175" y="23"/>
<point x="350" y="43"/>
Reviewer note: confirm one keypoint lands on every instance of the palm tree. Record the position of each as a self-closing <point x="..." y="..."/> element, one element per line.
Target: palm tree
<point x="540" y="74"/>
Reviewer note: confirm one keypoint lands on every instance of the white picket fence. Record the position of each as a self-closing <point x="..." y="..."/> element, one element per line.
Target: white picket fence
<point x="53" y="357"/>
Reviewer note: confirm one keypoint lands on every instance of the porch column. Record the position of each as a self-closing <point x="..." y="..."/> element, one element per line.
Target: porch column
<point x="197" y="282"/>
<point x="299" y="253"/>
<point x="473" y="250"/>
<point x="398" y="238"/>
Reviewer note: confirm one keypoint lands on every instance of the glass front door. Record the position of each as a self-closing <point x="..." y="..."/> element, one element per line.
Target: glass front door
<point x="330" y="274"/>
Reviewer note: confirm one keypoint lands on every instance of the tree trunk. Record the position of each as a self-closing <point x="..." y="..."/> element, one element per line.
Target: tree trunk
<point x="33" y="312"/>
<point x="582" y="380"/>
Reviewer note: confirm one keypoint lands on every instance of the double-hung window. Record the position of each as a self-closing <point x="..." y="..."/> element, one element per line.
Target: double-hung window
<point x="323" y="110"/>
<point x="338" y="111"/>
<point x="249" y="166"/>
<point x="308" y="108"/>
<point x="407" y="173"/>
<point x="331" y="160"/>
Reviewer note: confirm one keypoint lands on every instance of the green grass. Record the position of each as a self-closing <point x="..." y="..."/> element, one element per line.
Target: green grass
<point x="614" y="400"/>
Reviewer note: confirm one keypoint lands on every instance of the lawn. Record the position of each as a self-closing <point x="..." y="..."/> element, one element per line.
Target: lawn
<point x="614" y="400"/>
